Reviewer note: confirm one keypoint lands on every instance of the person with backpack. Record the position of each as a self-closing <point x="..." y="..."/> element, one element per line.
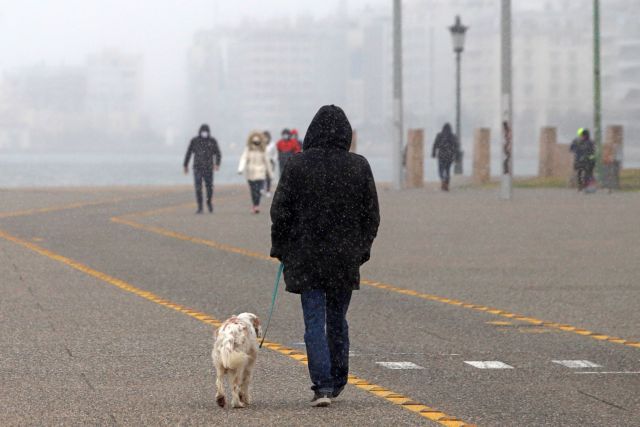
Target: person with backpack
<point x="325" y="217"/>
<point x="206" y="159"/>
<point x="255" y="166"/>
<point x="445" y="148"/>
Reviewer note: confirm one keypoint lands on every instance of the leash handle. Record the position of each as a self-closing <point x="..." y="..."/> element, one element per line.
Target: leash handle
<point x="273" y="302"/>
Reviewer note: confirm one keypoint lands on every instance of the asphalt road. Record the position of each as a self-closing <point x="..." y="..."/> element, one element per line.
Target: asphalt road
<point x="109" y="297"/>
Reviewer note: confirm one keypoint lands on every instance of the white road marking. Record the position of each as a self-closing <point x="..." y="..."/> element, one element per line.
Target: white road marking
<point x="577" y="364"/>
<point x="611" y="372"/>
<point x="488" y="364"/>
<point x="399" y="365"/>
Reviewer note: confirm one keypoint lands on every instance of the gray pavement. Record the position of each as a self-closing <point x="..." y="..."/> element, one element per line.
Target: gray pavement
<point x="76" y="350"/>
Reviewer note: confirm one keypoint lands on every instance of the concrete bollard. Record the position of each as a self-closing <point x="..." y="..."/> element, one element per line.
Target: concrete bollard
<point x="555" y="159"/>
<point x="481" y="156"/>
<point x="612" y="157"/>
<point x="548" y="140"/>
<point x="354" y="141"/>
<point x="562" y="164"/>
<point x="414" y="177"/>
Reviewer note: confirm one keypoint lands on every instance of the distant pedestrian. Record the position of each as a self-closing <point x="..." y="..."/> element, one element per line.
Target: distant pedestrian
<point x="206" y="158"/>
<point x="287" y="147"/>
<point x="584" y="152"/>
<point x="324" y="219"/>
<point x="445" y="148"/>
<point x="256" y="167"/>
<point x="272" y="155"/>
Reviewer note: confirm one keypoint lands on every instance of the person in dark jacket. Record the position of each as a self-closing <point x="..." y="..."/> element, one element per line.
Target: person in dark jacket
<point x="325" y="217"/>
<point x="584" y="151"/>
<point x="204" y="148"/>
<point x="445" y="148"/>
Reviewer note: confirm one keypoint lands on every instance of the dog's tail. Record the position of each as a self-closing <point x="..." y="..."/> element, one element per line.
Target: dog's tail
<point x="230" y="358"/>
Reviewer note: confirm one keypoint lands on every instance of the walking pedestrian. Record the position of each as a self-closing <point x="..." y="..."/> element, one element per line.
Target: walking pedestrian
<point x="287" y="147"/>
<point x="445" y="148"/>
<point x="584" y="151"/>
<point x="325" y="217"/>
<point x="206" y="158"/>
<point x="256" y="167"/>
<point x="272" y="156"/>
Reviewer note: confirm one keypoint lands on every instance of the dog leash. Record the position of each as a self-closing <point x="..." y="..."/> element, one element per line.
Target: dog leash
<point x="273" y="301"/>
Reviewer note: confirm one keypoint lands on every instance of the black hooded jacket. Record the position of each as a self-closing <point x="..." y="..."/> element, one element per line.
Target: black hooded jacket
<point x="445" y="145"/>
<point x="325" y="212"/>
<point x="203" y="150"/>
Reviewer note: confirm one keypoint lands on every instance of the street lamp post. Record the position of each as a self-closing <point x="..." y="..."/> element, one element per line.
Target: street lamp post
<point x="597" y="95"/>
<point x="398" y="144"/>
<point x="457" y="35"/>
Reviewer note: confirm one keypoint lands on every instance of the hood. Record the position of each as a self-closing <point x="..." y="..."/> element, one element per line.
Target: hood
<point x="263" y="140"/>
<point x="446" y="129"/>
<point x="329" y="128"/>
<point x="204" y="128"/>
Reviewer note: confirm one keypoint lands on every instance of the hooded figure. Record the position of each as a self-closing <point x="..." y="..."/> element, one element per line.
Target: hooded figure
<point x="325" y="217"/>
<point x="256" y="167"/>
<point x="445" y="148"/>
<point x="204" y="148"/>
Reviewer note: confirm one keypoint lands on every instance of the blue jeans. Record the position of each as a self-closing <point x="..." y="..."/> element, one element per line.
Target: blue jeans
<point x="327" y="337"/>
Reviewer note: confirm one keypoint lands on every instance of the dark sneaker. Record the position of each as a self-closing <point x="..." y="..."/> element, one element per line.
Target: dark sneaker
<point x="321" y="400"/>
<point x="210" y="207"/>
<point x="199" y="211"/>
<point x="337" y="392"/>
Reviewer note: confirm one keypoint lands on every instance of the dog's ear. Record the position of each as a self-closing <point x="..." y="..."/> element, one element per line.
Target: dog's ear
<point x="257" y="327"/>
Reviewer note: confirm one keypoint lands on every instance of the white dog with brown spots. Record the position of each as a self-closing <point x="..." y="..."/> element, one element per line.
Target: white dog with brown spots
<point x="234" y="353"/>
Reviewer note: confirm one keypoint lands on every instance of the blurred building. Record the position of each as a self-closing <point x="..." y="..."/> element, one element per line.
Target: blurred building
<point x="276" y="73"/>
<point x="266" y="75"/>
<point x="621" y="71"/>
<point x="94" y="106"/>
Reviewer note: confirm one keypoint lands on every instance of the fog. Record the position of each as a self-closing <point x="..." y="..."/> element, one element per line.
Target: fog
<point x="140" y="77"/>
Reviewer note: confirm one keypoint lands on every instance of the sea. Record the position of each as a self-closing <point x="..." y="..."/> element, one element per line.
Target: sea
<point x="126" y="169"/>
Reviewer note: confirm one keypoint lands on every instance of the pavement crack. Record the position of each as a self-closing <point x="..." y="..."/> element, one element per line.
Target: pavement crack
<point x="86" y="380"/>
<point x="68" y="351"/>
<point x="601" y="400"/>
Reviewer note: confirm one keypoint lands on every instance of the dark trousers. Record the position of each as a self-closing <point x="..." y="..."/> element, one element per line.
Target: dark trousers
<point x="585" y="175"/>
<point x="205" y="175"/>
<point x="444" y="168"/>
<point x="326" y="337"/>
<point x="255" y="187"/>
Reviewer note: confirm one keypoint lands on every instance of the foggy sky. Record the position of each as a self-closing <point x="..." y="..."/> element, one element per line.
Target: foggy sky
<point x="64" y="32"/>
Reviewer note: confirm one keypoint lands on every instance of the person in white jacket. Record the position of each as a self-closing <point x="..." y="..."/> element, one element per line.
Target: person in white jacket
<point x="272" y="155"/>
<point x="256" y="167"/>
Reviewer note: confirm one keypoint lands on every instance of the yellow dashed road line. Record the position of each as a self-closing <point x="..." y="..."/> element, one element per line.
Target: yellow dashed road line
<point x="385" y="286"/>
<point x="382" y="392"/>
<point x="78" y="205"/>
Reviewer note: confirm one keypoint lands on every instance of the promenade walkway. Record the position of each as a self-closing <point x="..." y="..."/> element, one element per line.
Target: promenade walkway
<point x="472" y="310"/>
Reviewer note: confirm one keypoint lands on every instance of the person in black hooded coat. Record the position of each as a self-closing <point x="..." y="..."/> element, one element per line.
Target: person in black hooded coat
<point x="445" y="148"/>
<point x="325" y="217"/>
<point x="203" y="148"/>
